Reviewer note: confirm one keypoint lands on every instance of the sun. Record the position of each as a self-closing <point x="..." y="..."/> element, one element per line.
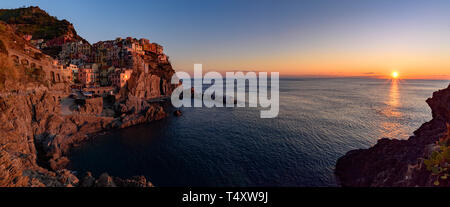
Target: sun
<point x="394" y="75"/>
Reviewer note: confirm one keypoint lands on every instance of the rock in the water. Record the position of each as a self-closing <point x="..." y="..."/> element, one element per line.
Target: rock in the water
<point x="105" y="181"/>
<point x="67" y="178"/>
<point x="88" y="180"/>
<point x="59" y="163"/>
<point x="177" y="113"/>
<point x="136" y="181"/>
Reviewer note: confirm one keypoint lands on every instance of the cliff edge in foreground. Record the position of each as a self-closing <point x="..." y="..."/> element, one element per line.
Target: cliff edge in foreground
<point x="422" y="160"/>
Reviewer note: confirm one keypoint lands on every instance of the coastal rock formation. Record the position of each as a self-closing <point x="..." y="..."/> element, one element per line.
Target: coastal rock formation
<point x="138" y="102"/>
<point x="92" y="106"/>
<point x="35" y="136"/>
<point x="399" y="162"/>
<point x="177" y="113"/>
<point x="88" y="180"/>
<point x="136" y="181"/>
<point x="144" y="86"/>
<point x="105" y="180"/>
<point x="133" y="117"/>
<point x="150" y="84"/>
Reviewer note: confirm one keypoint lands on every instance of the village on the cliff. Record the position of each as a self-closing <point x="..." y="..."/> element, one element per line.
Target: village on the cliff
<point x="101" y="68"/>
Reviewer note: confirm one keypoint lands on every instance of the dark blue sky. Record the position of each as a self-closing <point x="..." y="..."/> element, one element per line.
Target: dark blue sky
<point x="293" y="37"/>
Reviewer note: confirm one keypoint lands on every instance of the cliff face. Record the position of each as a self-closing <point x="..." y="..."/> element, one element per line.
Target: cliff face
<point x="151" y="83"/>
<point x="148" y="86"/>
<point x="35" y="133"/>
<point x="399" y="162"/>
<point x="27" y="118"/>
<point x="35" y="136"/>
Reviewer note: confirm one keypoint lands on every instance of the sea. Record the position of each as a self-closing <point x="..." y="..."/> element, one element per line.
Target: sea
<point x="319" y="120"/>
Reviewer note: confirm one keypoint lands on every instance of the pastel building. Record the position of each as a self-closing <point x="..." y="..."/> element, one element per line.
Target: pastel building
<point x="74" y="71"/>
<point x="125" y="76"/>
<point x="86" y="76"/>
<point x="120" y="77"/>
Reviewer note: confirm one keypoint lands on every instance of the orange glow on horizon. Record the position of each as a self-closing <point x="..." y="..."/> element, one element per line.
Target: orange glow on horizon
<point x="379" y="65"/>
<point x="394" y="75"/>
<point x="349" y="62"/>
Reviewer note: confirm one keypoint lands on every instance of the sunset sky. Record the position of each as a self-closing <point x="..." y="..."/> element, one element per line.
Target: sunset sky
<point x="295" y="38"/>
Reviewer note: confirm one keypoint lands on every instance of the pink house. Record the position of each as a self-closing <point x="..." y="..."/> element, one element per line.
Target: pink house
<point x="59" y="41"/>
<point x="27" y="37"/>
<point x="86" y="76"/>
<point x="120" y="77"/>
<point x="124" y="76"/>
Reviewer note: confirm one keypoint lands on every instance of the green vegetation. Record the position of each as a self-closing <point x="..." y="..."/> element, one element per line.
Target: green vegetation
<point x="52" y="51"/>
<point x="438" y="162"/>
<point x="34" y="21"/>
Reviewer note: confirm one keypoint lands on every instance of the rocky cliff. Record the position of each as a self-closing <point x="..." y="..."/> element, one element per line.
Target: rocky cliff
<point x="38" y="23"/>
<point x="142" y="89"/>
<point x="400" y="162"/>
<point x="35" y="134"/>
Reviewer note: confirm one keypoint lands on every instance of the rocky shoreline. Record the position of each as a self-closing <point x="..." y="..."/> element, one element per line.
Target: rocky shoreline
<point x="399" y="163"/>
<point x="36" y="137"/>
<point x="40" y="122"/>
<point x="37" y="130"/>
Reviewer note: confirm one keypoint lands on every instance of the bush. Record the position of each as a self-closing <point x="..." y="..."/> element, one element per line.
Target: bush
<point x="438" y="162"/>
<point x="36" y="22"/>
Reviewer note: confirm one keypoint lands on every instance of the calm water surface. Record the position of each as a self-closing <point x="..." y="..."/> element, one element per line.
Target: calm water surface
<point x="319" y="121"/>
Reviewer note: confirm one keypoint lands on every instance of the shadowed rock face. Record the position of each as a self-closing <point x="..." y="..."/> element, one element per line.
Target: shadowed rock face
<point x="104" y="180"/>
<point x="398" y="162"/>
<point x="154" y="84"/>
<point x="92" y="106"/>
<point x="35" y="136"/>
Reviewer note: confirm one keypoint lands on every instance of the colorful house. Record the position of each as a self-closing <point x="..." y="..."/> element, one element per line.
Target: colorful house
<point x="86" y="76"/>
<point x="120" y="77"/>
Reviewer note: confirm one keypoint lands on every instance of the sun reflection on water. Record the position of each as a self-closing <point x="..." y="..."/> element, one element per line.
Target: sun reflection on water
<point x="394" y="99"/>
<point x="391" y="127"/>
